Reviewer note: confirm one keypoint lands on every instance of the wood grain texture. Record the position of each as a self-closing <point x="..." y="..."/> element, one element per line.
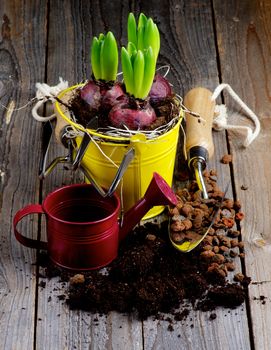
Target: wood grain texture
<point x="22" y="61"/>
<point x="244" y="33"/>
<point x="204" y="42"/>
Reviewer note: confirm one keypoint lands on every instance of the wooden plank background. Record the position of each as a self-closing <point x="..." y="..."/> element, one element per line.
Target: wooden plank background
<point x="22" y="57"/>
<point x="244" y="33"/>
<point x="205" y="42"/>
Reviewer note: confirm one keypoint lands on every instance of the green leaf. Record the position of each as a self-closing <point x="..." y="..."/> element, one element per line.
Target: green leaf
<point x="95" y="58"/>
<point x="140" y="38"/>
<point x="144" y="34"/>
<point x="152" y="37"/>
<point x="142" y="20"/>
<point x="141" y="31"/>
<point x="109" y="58"/>
<point x="149" y="72"/>
<point x="131" y="29"/>
<point x="138" y="74"/>
<point x="127" y="70"/>
<point x="131" y="48"/>
<point x="102" y="55"/>
<point x="101" y="37"/>
<point x="139" y="59"/>
<point x="156" y="30"/>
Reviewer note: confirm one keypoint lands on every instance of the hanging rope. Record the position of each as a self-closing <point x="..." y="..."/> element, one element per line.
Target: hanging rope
<point x="46" y="93"/>
<point x="221" y="117"/>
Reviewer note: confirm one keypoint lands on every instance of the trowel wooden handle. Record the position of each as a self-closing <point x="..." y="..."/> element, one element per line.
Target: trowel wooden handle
<point x="199" y="133"/>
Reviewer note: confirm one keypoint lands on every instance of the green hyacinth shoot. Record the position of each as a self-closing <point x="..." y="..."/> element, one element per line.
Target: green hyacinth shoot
<point x="138" y="71"/>
<point x="139" y="58"/>
<point x="104" y="57"/>
<point x="143" y="34"/>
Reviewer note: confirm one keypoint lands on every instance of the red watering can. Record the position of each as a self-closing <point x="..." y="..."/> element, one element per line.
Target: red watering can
<point x="83" y="230"/>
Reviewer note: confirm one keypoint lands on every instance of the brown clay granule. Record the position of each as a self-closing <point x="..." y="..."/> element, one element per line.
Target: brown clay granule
<point x="239" y="277"/>
<point x="226" y="159"/>
<point x="77" y="279"/>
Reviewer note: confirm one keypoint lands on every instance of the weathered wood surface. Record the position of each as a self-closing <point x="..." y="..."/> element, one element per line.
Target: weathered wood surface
<point x="244" y="32"/>
<point x="22" y="63"/>
<point x="205" y="42"/>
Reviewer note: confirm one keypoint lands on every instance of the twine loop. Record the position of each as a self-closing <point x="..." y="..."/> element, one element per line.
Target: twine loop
<point x="220" y="121"/>
<point x="46" y="93"/>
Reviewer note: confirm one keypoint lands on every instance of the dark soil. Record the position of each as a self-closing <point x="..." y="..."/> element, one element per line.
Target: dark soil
<point x="150" y="277"/>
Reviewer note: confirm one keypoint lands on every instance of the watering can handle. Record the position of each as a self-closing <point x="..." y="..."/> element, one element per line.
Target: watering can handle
<point x="28" y="242"/>
<point x="45" y="169"/>
<point x="46" y="139"/>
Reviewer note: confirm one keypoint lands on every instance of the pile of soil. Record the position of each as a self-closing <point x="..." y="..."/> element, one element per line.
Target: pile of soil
<point x="150" y="277"/>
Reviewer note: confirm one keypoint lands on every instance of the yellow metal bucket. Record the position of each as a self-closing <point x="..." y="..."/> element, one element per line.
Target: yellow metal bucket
<point x="103" y="156"/>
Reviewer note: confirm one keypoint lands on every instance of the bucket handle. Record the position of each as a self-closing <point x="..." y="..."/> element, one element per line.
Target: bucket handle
<point x="47" y="169"/>
<point x="28" y="242"/>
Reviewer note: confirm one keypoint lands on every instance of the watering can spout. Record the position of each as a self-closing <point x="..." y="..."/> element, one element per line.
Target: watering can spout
<point x="157" y="193"/>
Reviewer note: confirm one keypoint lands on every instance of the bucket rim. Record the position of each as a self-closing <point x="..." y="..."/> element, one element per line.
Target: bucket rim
<point x="97" y="134"/>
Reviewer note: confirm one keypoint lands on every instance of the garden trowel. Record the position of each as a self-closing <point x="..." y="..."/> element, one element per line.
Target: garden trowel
<point x="199" y="148"/>
<point x="199" y="142"/>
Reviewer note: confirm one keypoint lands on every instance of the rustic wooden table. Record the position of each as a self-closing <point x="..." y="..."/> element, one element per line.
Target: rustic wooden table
<point x="205" y="43"/>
